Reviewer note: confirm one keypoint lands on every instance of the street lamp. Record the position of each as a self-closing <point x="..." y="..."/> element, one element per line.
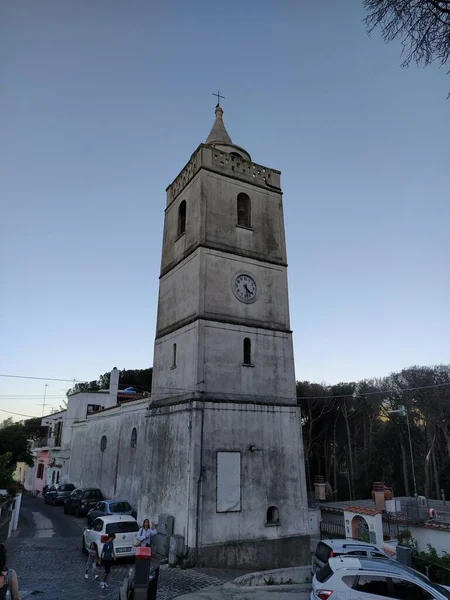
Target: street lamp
<point x="403" y="411"/>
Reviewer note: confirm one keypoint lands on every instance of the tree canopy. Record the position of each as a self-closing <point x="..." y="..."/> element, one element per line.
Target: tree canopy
<point x="14" y="440"/>
<point x="352" y="439"/>
<point x="141" y="379"/>
<point x="422" y="27"/>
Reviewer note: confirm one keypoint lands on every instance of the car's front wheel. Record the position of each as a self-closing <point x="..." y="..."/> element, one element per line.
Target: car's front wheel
<point x="77" y="513"/>
<point x="83" y="545"/>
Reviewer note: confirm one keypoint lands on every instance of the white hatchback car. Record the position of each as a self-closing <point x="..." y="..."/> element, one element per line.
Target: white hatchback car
<point x="350" y="578"/>
<point x="124" y="526"/>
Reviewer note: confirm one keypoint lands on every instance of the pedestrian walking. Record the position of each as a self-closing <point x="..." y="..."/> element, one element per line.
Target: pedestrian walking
<point x="92" y="562"/>
<point x="145" y="533"/>
<point x="107" y="557"/>
<point x="9" y="586"/>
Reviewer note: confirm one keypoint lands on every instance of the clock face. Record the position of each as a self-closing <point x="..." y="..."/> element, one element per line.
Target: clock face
<point x="245" y="288"/>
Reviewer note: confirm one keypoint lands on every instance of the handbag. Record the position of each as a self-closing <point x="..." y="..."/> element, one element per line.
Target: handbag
<point x="137" y="542"/>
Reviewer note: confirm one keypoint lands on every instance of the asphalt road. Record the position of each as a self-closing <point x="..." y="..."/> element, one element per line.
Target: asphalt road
<point x="46" y="555"/>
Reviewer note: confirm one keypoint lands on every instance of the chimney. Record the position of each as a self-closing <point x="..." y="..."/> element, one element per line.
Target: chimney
<point x="114" y="385"/>
<point x="378" y="496"/>
<point x="319" y="487"/>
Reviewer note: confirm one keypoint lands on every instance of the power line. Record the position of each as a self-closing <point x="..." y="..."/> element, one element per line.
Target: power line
<point x="41" y="378"/>
<point x="20" y="414"/>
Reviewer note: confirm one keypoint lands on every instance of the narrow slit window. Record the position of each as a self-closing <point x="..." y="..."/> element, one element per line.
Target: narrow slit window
<point x="243" y="210"/>
<point x="174" y="356"/>
<point x="182" y="218"/>
<point x="247" y="351"/>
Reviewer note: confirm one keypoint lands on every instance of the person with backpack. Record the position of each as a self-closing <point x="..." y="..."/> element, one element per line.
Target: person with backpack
<point x="145" y="534"/>
<point x="108" y="555"/>
<point x="9" y="586"/>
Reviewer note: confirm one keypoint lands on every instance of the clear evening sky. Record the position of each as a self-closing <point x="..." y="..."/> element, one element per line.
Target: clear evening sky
<point x="103" y="102"/>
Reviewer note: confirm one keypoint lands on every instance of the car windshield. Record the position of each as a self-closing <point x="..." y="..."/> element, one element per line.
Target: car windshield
<point x="66" y="488"/>
<point x="117" y="507"/>
<point x="122" y="527"/>
<point x="92" y="494"/>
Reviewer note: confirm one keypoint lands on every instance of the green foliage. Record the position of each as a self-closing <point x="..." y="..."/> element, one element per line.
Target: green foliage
<point x="141" y="379"/>
<point x="14" y="441"/>
<point x="352" y="439"/>
<point x="436" y="567"/>
<point x="33" y="428"/>
<point x="6" y="469"/>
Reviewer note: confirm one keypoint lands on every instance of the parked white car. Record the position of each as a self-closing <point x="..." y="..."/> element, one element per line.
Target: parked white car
<point x="124" y="526"/>
<point x="351" y="578"/>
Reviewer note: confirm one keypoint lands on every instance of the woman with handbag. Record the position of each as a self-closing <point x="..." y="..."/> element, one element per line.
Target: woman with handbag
<point x="145" y="534"/>
<point x="9" y="587"/>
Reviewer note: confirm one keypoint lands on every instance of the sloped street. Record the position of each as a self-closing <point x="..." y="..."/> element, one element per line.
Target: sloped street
<point x="46" y="554"/>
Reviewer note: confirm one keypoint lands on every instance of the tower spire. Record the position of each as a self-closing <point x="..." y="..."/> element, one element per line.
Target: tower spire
<point x="218" y="133"/>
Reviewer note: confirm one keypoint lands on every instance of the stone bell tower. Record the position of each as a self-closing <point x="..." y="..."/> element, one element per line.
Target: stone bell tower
<point x="224" y="427"/>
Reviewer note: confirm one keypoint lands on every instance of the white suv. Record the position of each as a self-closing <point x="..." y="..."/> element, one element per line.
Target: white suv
<point x="349" y="578"/>
<point x="331" y="548"/>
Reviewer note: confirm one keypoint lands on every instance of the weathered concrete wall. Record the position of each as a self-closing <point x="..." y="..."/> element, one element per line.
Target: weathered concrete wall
<point x="203" y="345"/>
<point x="175" y="247"/>
<point x="265" y="240"/>
<point x="169" y="382"/>
<point x="117" y="469"/>
<point x="173" y="470"/>
<point x="270" y="310"/>
<point x="270" y="378"/>
<point x="179" y="294"/>
<point x="181" y="298"/>
<point x="77" y="411"/>
<point x="272" y="472"/>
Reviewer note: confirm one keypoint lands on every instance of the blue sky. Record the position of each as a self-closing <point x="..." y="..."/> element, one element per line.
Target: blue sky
<point x="102" y="103"/>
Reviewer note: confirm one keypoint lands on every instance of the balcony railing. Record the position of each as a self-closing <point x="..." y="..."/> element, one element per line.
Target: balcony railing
<point x="45" y="442"/>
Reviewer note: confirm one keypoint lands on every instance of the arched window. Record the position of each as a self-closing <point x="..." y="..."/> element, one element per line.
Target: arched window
<point x="53" y="476"/>
<point x="243" y="211"/>
<point x="134" y="438"/>
<point x="174" y="356"/>
<point x="57" y="477"/>
<point x="103" y="443"/>
<point x="182" y="217"/>
<point x="272" y="515"/>
<point x="247" y="351"/>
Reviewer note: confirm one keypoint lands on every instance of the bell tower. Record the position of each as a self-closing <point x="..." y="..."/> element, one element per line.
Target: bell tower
<point x="224" y="366"/>
<point x="223" y="315"/>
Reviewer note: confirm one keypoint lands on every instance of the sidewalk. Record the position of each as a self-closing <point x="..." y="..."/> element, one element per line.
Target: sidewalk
<point x="300" y="591"/>
<point x="277" y="584"/>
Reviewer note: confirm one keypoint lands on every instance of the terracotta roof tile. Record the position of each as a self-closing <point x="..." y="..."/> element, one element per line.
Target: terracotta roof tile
<point x="362" y="510"/>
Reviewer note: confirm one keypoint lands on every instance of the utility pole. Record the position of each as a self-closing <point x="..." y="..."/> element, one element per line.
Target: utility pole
<point x="45" y="395"/>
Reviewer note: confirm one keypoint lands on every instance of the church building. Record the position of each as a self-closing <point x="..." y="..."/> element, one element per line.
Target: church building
<point x="218" y="446"/>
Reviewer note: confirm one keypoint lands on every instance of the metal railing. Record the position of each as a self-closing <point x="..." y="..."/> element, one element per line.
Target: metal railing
<point x="45" y="442"/>
<point x="330" y="530"/>
<point x="436" y="573"/>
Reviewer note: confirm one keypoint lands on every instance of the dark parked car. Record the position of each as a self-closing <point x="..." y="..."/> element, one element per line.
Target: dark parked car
<point x="56" y="494"/>
<point x="110" y="507"/>
<point x="81" y="501"/>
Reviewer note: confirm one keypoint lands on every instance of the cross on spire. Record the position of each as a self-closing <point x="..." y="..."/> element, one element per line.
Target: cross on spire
<point x="218" y="97"/>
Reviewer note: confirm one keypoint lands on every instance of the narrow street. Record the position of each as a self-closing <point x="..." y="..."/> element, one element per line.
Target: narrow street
<point x="46" y="554"/>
